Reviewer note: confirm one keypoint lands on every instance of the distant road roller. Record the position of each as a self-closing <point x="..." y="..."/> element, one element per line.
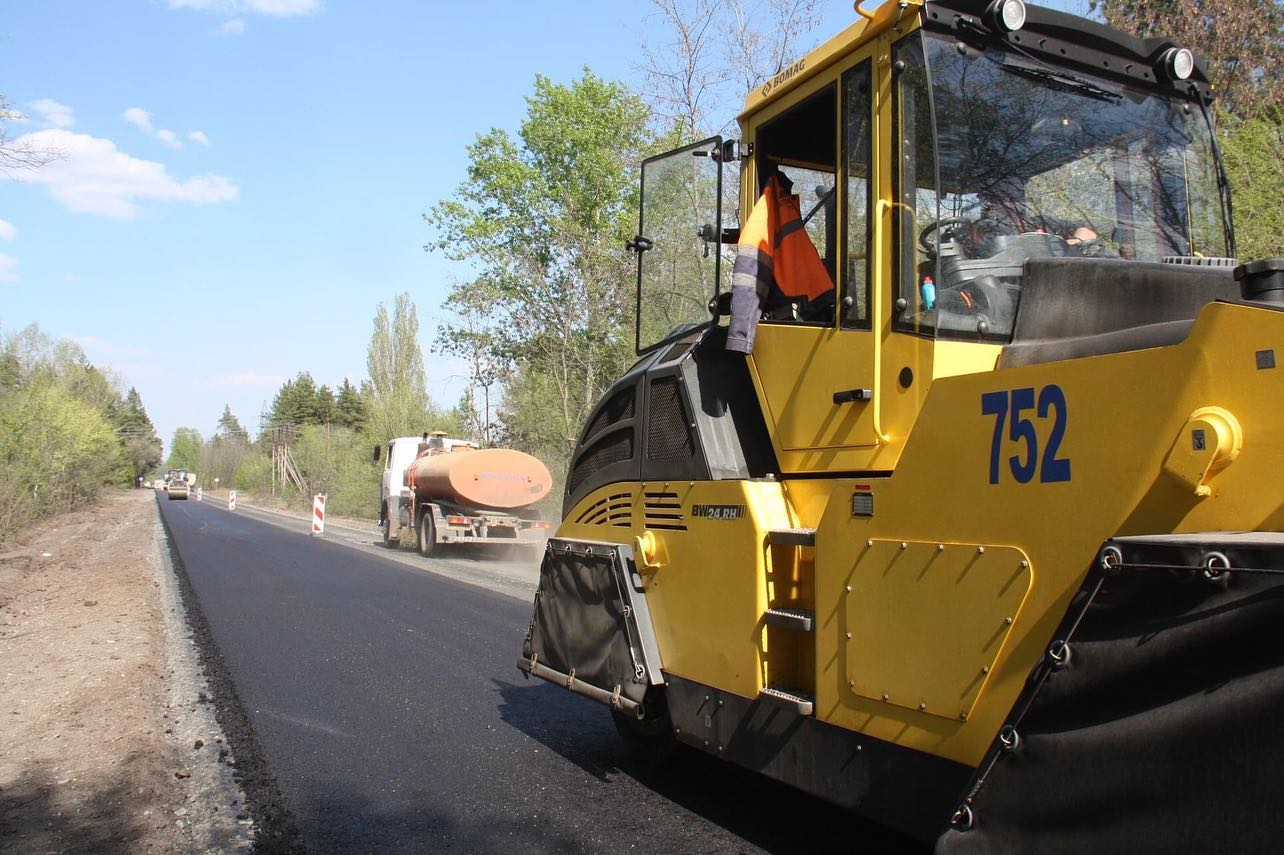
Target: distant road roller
<point x="947" y="484"/>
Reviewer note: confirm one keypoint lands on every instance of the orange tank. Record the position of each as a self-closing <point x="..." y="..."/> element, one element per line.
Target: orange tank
<point x="497" y="478"/>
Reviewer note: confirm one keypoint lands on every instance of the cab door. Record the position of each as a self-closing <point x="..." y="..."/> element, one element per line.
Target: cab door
<point x="817" y="369"/>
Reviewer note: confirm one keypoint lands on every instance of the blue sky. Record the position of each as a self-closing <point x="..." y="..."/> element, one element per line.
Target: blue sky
<point x="244" y="179"/>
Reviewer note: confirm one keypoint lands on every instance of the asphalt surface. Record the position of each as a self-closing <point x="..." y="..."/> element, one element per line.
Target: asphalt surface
<point x="375" y="705"/>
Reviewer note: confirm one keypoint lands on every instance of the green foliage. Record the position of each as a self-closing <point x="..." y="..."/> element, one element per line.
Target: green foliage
<point x="185" y="449"/>
<point x="229" y="425"/>
<point x="254" y="472"/>
<point x="1254" y="155"/>
<point x="337" y="462"/>
<point x="396" y="397"/>
<point x="58" y="429"/>
<point x="350" y="407"/>
<point x="544" y="216"/>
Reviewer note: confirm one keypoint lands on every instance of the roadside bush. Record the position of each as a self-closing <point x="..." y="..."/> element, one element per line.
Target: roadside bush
<point x="254" y="474"/>
<point x="57" y="453"/>
<point x="336" y="461"/>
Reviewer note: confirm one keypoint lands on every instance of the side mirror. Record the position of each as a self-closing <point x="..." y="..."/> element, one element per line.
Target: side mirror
<point x="378" y="449"/>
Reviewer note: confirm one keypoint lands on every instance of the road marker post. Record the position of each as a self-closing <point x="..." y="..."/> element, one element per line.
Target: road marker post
<point x="231" y="500"/>
<point x="318" y="513"/>
<point x="198" y="494"/>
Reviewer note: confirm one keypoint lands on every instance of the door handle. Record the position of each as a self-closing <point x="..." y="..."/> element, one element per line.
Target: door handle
<point x="847" y="396"/>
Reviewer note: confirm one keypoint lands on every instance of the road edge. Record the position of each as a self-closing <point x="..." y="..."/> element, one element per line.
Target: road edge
<point x="274" y="827"/>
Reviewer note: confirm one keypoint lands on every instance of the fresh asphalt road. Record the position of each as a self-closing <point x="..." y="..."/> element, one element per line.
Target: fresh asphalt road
<point x="386" y="703"/>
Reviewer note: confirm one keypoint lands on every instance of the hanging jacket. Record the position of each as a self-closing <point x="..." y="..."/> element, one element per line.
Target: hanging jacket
<point x="775" y="261"/>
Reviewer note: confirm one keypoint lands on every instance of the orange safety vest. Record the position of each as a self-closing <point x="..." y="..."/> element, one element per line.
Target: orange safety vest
<point x="775" y="257"/>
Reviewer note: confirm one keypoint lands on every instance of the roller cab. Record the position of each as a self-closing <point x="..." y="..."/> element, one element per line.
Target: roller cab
<point x="989" y="534"/>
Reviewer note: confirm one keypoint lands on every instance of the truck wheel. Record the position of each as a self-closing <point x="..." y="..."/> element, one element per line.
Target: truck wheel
<point x="427" y="535"/>
<point x="388" y="540"/>
<point x="650" y="738"/>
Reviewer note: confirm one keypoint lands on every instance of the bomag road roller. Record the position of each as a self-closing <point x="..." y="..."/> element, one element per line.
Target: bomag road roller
<point x="947" y="485"/>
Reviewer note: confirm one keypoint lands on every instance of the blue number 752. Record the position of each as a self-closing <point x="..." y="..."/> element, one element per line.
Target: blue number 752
<point x="1021" y="431"/>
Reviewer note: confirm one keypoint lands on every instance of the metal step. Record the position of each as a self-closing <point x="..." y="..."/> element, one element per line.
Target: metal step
<point x="789" y="699"/>
<point x="799" y="619"/>
<point x="792" y="537"/>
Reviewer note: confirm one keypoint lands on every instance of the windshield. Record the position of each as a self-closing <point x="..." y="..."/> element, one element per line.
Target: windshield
<point x="1039" y="162"/>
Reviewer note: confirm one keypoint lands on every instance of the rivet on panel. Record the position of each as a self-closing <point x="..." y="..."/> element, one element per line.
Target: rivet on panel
<point x="904" y="545"/>
<point x="849" y="635"/>
<point x="1008" y="621"/>
<point x="980" y="550"/>
<point x="922" y="706"/>
<point x="940" y="547"/>
<point x="985" y="669"/>
<point x="869" y="543"/>
<point x="848" y="588"/>
<point x="963" y="716"/>
<point x="884" y="695"/>
<point x="851" y="684"/>
<point x="1024" y="563"/>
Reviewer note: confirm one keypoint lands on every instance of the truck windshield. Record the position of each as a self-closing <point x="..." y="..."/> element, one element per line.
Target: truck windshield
<point x="1035" y="161"/>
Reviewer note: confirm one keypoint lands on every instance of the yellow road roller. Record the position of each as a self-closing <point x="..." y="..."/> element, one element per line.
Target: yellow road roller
<point x="946" y="485"/>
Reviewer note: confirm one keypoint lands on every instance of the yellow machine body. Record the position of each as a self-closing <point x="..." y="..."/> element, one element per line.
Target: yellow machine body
<point x="951" y="511"/>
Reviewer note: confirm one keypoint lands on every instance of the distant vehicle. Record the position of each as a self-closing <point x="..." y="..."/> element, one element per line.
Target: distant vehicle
<point x="439" y="490"/>
<point x="177" y="488"/>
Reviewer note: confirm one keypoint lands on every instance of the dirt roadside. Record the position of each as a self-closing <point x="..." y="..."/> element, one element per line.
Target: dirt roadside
<point x="108" y="741"/>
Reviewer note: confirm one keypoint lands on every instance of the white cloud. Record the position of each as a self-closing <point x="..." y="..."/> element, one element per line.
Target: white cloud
<point x="7" y="231"/>
<point x="199" y="137"/>
<point x="72" y="278"/>
<point x="141" y="119"/>
<point x="7" y="265"/>
<point x="94" y="177"/>
<point x="53" y="113"/>
<point x="250" y="379"/>
<point x="274" y="8"/>
<point x="234" y="27"/>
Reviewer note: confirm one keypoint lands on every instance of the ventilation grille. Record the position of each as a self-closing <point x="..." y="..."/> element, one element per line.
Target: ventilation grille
<point x="612" y="448"/>
<point x="667" y="435"/>
<point x="613" y="510"/>
<point x="1201" y="261"/>
<point x="618" y="408"/>
<point x="663" y="511"/>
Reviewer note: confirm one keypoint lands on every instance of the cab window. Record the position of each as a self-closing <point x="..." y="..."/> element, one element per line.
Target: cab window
<point x="856" y="195"/>
<point x="800" y="146"/>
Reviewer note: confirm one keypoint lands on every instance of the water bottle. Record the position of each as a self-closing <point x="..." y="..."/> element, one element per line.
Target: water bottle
<point x="929" y="294"/>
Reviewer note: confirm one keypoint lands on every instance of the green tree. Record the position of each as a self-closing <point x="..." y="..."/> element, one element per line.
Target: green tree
<point x="229" y="425"/>
<point x="398" y="402"/>
<point x="59" y="440"/>
<point x="543" y="216"/>
<point x="349" y="407"/>
<point x="138" y="435"/>
<point x="295" y="403"/>
<point x="185" y="449"/>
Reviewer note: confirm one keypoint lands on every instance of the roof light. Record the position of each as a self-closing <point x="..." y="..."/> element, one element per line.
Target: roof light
<point x="1006" y="16"/>
<point x="1177" y="63"/>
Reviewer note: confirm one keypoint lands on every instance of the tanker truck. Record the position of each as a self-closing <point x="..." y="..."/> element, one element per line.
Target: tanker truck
<point x="438" y="490"/>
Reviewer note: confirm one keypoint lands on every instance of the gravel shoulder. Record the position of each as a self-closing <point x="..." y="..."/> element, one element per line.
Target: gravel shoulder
<point x="107" y="739"/>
